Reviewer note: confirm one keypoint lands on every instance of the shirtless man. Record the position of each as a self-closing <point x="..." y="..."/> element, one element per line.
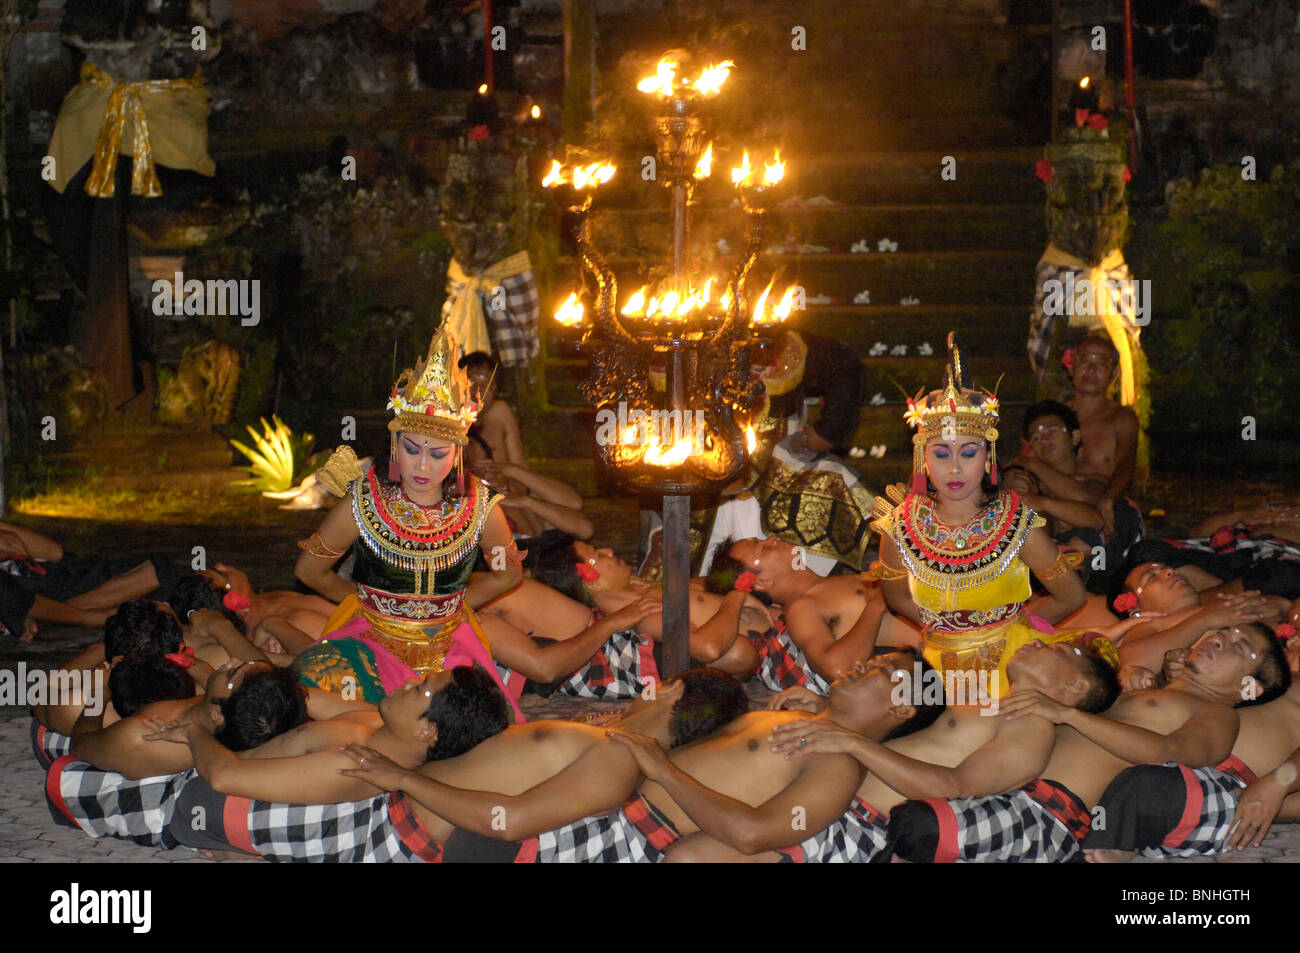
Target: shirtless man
<point x="540" y="773"/>
<point x="760" y="789"/>
<point x="584" y="572"/>
<point x="1108" y="457"/>
<point x="305" y="611"/>
<point x="1046" y="480"/>
<point x="496" y="455"/>
<point x="969" y="751"/>
<point x="1235" y="801"/>
<point x="245" y="705"/>
<point x="1192" y="721"/>
<point x="833" y="620"/>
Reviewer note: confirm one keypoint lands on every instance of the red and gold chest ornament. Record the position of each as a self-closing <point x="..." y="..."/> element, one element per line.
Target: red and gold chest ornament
<point x="414" y="537"/>
<point x="956" y="410"/>
<point x="943" y="556"/>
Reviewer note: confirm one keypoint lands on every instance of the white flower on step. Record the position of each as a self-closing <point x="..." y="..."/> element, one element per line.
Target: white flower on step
<point x="820" y="299"/>
<point x="862" y="297"/>
<point x="877" y="349"/>
<point x="924" y="349"/>
<point x="860" y="247"/>
<point x="877" y="399"/>
<point x="910" y="300"/>
<point x="886" y="244"/>
<point x="857" y="452"/>
<point x="878" y="451"/>
<point x="898" y="350"/>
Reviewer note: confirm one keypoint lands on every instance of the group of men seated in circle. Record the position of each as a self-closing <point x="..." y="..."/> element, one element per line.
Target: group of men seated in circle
<point x="1190" y="746"/>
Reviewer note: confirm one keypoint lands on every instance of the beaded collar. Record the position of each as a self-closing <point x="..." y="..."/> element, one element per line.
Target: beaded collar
<point x="415" y="537"/>
<point x="943" y="556"/>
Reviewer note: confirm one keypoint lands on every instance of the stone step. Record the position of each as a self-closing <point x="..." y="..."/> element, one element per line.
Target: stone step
<point x="914" y="227"/>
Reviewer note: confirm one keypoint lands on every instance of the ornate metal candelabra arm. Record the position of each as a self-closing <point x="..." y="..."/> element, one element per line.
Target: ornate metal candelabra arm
<point x="755" y="224"/>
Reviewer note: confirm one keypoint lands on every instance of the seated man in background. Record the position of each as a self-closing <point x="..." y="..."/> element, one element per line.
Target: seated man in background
<point x="1108" y="457"/>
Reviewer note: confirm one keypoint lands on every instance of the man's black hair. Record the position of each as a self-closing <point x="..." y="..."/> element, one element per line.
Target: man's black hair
<point x="466" y="711"/>
<point x="554" y="562"/>
<point x="264" y="706"/>
<point x="140" y="626"/>
<point x="479" y="359"/>
<point x="140" y="679"/>
<point x="926" y="714"/>
<point x="199" y="592"/>
<point x="710" y="699"/>
<point x="1103" y="682"/>
<point x="1051" y="408"/>
<point x="1272" y="677"/>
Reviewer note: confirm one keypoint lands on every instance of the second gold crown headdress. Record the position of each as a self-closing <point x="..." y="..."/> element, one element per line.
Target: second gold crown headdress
<point x="957" y="409"/>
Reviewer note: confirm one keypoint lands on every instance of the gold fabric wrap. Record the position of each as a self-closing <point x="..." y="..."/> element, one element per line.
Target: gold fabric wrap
<point x="163" y="120"/>
<point x="467" y="320"/>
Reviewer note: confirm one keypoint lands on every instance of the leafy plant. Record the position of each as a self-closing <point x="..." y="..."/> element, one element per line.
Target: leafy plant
<point x="281" y="459"/>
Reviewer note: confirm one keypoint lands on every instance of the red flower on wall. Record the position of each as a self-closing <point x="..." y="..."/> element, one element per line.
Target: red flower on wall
<point x="1043" y="169"/>
<point x="478" y="133"/>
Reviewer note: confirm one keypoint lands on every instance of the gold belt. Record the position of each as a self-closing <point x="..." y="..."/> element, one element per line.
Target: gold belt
<point x="421" y="646"/>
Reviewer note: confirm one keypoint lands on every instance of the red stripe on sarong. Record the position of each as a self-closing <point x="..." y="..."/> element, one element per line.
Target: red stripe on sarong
<point x="411" y="829"/>
<point x="649" y="669"/>
<point x="234" y="819"/>
<point x="947" y="850"/>
<point x="642" y="815"/>
<point x="1191" y="818"/>
<point x="527" y="852"/>
<point x="1238" y="769"/>
<point x="52" y="778"/>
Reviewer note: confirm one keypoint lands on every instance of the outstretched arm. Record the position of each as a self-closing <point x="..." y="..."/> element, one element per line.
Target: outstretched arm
<point x="1011" y="760"/>
<point x="596" y="783"/>
<point x="828" y="655"/>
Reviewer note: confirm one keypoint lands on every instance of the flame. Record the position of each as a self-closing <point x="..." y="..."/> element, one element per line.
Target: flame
<point x="782" y="310"/>
<point x="740" y="175"/>
<point x="482" y="90"/>
<point x="725" y="301"/>
<point x="555" y="176"/>
<point x="1083" y="83"/>
<point x="635" y="304"/>
<point x="570" y="313"/>
<point x="704" y="168"/>
<point x="590" y="176"/>
<point x="662" y="81"/>
<point x="704" y="293"/>
<point x="652" y="308"/>
<point x="657" y="456"/>
<point x="773" y="173"/>
<point x="762" y="300"/>
<point x="751" y="439"/>
<point x="536" y="112"/>
<point x="711" y="78"/>
<point x="669" y="304"/>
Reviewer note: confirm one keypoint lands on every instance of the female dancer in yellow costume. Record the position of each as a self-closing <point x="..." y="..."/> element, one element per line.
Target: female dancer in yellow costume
<point x="955" y="553"/>
<point x="414" y="537"/>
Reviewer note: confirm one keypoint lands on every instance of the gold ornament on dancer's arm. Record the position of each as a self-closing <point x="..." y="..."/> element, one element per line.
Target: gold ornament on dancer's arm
<point x="339" y="471"/>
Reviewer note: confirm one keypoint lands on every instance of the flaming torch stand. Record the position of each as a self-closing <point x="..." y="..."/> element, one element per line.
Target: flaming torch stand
<point x="707" y="373"/>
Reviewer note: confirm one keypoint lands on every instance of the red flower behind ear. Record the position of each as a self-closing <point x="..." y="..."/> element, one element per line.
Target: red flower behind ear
<point x="1067" y="359"/>
<point x="1285" y="631"/>
<point x="587" y="573"/>
<point x="745" y="581"/>
<point x="1125" y="602"/>
<point x="236" y="601"/>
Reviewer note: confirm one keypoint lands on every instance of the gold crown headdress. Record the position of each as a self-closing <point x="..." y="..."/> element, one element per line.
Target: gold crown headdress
<point x="957" y="409"/>
<point x="434" y="397"/>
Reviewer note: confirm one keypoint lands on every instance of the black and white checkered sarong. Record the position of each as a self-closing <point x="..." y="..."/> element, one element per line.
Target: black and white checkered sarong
<point x="636" y="833"/>
<point x="1211" y="804"/>
<point x="47" y="745"/>
<point x="1040" y="823"/>
<point x="382" y="829"/>
<point x="622" y="668"/>
<point x="855" y="838"/>
<point x="106" y="804"/>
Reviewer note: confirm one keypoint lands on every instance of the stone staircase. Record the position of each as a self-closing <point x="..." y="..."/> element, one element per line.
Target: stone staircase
<point x="872" y="120"/>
